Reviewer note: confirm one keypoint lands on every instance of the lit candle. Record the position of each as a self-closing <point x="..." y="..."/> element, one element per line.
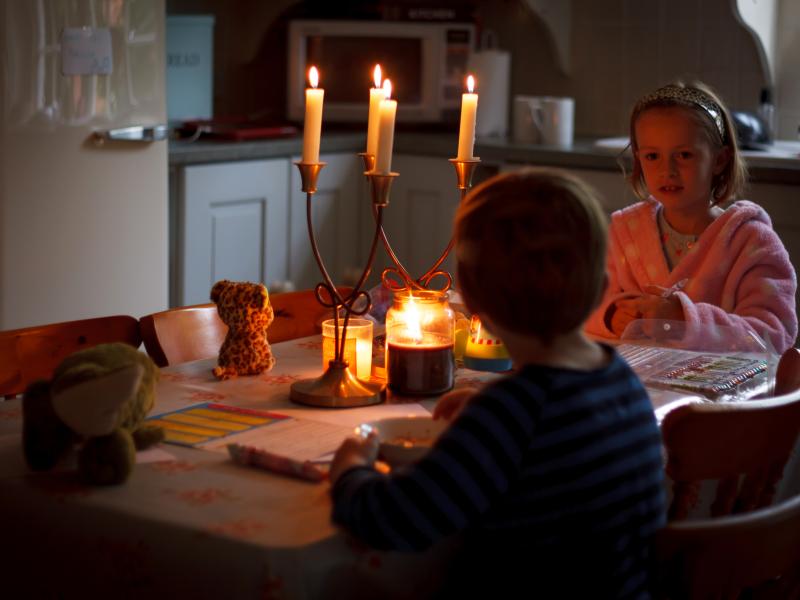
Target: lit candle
<point x="376" y="94"/>
<point x="469" y="109"/>
<point x="313" y="122"/>
<point x="357" y="346"/>
<point x="388" y="110"/>
<point x="419" y="344"/>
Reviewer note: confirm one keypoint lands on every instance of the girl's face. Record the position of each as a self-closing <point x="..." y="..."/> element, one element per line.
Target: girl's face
<point x="677" y="160"/>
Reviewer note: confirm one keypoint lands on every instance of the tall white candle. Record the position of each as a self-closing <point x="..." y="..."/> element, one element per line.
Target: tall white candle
<point x="312" y="126"/>
<point x="388" y="110"/>
<point x="376" y="94"/>
<point x="469" y="109"/>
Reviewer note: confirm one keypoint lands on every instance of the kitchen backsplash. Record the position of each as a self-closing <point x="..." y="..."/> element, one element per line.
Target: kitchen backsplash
<point x="619" y="49"/>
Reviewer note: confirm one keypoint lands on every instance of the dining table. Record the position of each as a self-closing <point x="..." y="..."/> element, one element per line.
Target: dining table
<point x="190" y="521"/>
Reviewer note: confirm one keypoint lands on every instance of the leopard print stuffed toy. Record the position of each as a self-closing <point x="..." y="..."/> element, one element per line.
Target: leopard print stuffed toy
<point x="246" y="310"/>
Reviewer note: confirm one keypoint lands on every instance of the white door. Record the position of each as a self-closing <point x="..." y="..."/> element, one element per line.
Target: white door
<point x="83" y="228"/>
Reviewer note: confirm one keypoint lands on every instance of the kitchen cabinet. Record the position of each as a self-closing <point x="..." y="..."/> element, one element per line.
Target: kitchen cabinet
<point x="340" y="211"/>
<point x="232" y="220"/>
<point x="613" y="189"/>
<point x="246" y="221"/>
<point x="419" y="218"/>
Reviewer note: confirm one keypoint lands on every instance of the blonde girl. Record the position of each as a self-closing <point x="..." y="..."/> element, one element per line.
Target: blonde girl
<point x="679" y="254"/>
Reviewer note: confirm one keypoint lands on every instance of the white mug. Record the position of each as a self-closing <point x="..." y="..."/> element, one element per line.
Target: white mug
<point x="555" y="118"/>
<point x="524" y="117"/>
<point x="524" y="126"/>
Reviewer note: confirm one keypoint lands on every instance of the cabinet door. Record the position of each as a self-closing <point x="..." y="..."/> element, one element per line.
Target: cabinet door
<point x="613" y="189"/>
<point x="337" y="209"/>
<point x="419" y="218"/>
<point x="235" y="219"/>
<point x="780" y="202"/>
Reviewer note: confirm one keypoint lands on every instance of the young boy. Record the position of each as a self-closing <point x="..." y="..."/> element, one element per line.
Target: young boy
<point x="554" y="473"/>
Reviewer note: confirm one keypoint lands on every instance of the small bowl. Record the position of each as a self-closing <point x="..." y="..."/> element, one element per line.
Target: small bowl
<point x="404" y="440"/>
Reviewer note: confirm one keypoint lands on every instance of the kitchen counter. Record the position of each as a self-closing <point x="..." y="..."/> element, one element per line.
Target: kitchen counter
<point x="777" y="166"/>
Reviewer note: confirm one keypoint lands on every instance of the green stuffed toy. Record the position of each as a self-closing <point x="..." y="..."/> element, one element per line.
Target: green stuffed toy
<point x="98" y="399"/>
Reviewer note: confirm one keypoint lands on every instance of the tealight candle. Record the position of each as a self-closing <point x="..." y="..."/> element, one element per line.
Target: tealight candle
<point x="376" y="94"/>
<point x="388" y="110"/>
<point x="469" y="110"/>
<point x="312" y="126"/>
<point x="357" y="346"/>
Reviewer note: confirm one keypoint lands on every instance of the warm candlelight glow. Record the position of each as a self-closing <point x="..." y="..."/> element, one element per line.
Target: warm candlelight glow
<point x="420" y="336"/>
<point x="469" y="110"/>
<point x="377" y="76"/>
<point x="412" y="319"/>
<point x="312" y="126"/>
<point x="357" y="347"/>
<point x="387" y="88"/>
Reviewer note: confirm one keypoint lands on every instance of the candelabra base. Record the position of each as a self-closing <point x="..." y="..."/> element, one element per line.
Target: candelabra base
<point x="337" y="388"/>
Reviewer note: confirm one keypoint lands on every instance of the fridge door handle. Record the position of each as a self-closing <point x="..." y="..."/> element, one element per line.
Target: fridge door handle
<point x="134" y="133"/>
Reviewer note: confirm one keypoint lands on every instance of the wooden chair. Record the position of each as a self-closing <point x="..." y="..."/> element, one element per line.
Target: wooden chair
<point x="194" y="332"/>
<point x="753" y="555"/>
<point x="34" y="352"/>
<point x="728" y="442"/>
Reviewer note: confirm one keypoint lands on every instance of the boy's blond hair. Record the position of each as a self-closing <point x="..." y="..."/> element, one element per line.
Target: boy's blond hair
<point x="530" y="251"/>
<point x="729" y="184"/>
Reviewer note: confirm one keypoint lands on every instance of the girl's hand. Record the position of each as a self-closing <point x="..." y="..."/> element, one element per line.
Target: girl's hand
<point x="655" y="305"/>
<point x="625" y="311"/>
<point x="354" y="452"/>
<point x="452" y="403"/>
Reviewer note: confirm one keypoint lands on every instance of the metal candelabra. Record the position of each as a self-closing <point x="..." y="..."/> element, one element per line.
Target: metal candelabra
<point x="398" y="278"/>
<point x="337" y="387"/>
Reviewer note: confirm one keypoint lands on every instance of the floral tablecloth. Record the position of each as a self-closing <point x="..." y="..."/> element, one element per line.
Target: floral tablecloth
<point x="189" y="521"/>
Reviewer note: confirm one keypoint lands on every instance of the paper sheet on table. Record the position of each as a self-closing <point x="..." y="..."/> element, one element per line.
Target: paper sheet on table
<point x="212" y="425"/>
<point x="296" y="438"/>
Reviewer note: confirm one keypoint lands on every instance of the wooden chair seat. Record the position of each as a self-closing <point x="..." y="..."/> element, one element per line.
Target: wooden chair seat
<point x="753" y="555"/>
<point x="744" y="446"/>
<point x="34" y="352"/>
<point x="196" y="332"/>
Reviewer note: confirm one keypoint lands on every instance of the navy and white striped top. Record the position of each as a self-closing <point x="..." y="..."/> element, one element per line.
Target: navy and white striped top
<point x="554" y="476"/>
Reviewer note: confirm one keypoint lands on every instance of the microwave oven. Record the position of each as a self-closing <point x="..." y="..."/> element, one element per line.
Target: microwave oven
<point x="426" y="62"/>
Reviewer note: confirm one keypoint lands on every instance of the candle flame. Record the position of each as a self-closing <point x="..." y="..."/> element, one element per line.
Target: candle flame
<point x="387" y="88"/>
<point x="377" y="76"/>
<point x="413" y="318"/>
<point x="470" y="84"/>
<point x="313" y="77"/>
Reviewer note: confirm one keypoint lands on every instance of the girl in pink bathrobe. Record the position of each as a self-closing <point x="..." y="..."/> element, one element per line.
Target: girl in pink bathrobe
<point x="677" y="254"/>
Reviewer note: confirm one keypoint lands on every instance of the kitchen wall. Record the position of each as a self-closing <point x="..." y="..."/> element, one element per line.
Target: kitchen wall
<point x="619" y="49"/>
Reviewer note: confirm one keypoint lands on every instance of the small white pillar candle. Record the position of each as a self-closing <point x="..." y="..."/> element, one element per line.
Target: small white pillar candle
<point x="312" y="126"/>
<point x="469" y="109"/>
<point x="376" y="94"/>
<point x="388" y="111"/>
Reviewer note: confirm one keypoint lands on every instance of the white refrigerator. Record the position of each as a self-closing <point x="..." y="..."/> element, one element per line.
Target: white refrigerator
<point x="83" y="161"/>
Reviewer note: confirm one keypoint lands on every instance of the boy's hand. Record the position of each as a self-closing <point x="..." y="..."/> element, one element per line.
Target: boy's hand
<point x="354" y="452"/>
<point x="452" y="403"/>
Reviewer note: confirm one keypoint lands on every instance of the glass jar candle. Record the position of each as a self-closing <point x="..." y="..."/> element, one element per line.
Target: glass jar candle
<point x="420" y="336"/>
